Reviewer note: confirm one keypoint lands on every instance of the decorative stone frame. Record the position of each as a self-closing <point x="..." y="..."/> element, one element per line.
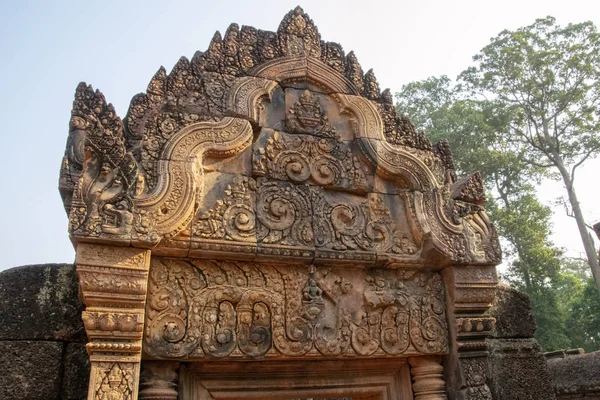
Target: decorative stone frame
<point x="212" y="234"/>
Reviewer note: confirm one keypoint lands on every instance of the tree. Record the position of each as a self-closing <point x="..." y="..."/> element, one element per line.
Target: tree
<point x="579" y="302"/>
<point x="544" y="80"/>
<point x="474" y="129"/>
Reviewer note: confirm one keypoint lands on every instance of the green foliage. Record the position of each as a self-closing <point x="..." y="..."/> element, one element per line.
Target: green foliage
<point x="547" y="79"/>
<point x="544" y="80"/>
<point x="579" y="303"/>
<point x="532" y="102"/>
<point x="474" y="129"/>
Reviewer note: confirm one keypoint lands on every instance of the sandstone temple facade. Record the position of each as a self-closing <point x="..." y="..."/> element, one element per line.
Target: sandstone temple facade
<point x="262" y="224"/>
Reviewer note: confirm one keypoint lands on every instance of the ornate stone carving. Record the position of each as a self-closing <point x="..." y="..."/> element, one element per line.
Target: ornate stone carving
<point x="306" y="116"/>
<point x="114" y="380"/>
<point x="98" y="175"/>
<point x="363" y="227"/>
<point x="244" y="97"/>
<point x="310" y="159"/>
<point x="284" y="214"/>
<point x="332" y="54"/>
<point x="113" y="284"/>
<point x="168" y="209"/>
<point x="444" y="153"/>
<point x="331" y="217"/>
<point x="471" y="290"/>
<point x="159" y="380"/>
<point x="427" y="377"/>
<point x="209" y="309"/>
<point x="469" y="189"/>
<point x="298" y="35"/>
<point x="233" y="217"/>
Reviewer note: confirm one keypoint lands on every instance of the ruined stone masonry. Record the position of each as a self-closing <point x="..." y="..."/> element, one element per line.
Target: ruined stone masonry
<point x="262" y="224"/>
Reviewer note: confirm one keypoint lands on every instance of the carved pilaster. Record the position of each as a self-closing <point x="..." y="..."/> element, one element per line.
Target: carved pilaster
<point x="159" y="380"/>
<point x="470" y="292"/>
<point x="113" y="284"/>
<point x="427" y="375"/>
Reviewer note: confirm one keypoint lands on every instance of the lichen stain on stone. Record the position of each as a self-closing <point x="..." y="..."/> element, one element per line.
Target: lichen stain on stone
<point x="57" y="290"/>
<point x="44" y="295"/>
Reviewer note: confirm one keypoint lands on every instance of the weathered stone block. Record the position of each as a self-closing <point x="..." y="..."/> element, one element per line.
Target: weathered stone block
<point x="576" y="377"/>
<point x="518" y="370"/>
<point x="76" y="372"/>
<point x="512" y="310"/>
<point x="30" y="369"/>
<point x="40" y="302"/>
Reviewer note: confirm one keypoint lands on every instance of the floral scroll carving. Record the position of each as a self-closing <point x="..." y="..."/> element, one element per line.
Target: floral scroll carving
<point x="201" y="309"/>
<point x="309" y="159"/>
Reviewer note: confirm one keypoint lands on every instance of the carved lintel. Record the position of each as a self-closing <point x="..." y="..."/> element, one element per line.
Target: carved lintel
<point x="427" y="375"/>
<point x="113" y="284"/>
<point x="201" y="309"/>
<point x="470" y="292"/>
<point x="159" y="380"/>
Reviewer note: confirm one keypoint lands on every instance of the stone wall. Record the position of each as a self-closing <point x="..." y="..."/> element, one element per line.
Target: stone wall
<point x="42" y="338"/>
<point x="576" y="376"/>
<point x="517" y="366"/>
<point x="42" y="344"/>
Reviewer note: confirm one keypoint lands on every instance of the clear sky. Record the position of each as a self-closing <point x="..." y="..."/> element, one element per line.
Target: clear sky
<point x="116" y="46"/>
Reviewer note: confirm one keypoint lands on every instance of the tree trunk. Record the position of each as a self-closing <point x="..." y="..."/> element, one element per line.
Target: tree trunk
<point x="586" y="237"/>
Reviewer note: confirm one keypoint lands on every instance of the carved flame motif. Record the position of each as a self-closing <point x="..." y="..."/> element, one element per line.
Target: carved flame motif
<point x="116" y="381"/>
<point x="202" y="309"/>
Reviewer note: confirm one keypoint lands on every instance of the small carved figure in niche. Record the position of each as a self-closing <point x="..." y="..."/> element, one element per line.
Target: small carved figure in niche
<point x="312" y="296"/>
<point x="312" y="292"/>
<point x="76" y="143"/>
<point x="307" y="116"/>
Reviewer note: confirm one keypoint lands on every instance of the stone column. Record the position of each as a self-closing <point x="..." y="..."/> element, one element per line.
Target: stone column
<point x="113" y="283"/>
<point x="159" y="380"/>
<point x="470" y="291"/>
<point x="428" y="379"/>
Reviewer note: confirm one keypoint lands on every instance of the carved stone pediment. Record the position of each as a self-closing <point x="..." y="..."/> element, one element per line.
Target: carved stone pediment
<point x="264" y="201"/>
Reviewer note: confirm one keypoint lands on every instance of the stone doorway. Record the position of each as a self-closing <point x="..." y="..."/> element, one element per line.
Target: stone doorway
<point x="323" y="380"/>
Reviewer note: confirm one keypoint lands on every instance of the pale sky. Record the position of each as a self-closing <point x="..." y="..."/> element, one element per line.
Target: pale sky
<point x="116" y="46"/>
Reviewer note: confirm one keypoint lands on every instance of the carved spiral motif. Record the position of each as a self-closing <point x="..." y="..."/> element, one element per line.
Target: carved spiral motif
<point x="380" y="235"/>
<point x="331" y="339"/>
<point x="281" y="207"/>
<point x="219" y="329"/>
<point x="240" y="222"/>
<point x="240" y="309"/>
<point x="160" y="300"/>
<point x="278" y="213"/>
<point x="326" y="170"/>
<point x="326" y="146"/>
<point x="173" y="327"/>
<point x="347" y="219"/>
<point x="293" y="165"/>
